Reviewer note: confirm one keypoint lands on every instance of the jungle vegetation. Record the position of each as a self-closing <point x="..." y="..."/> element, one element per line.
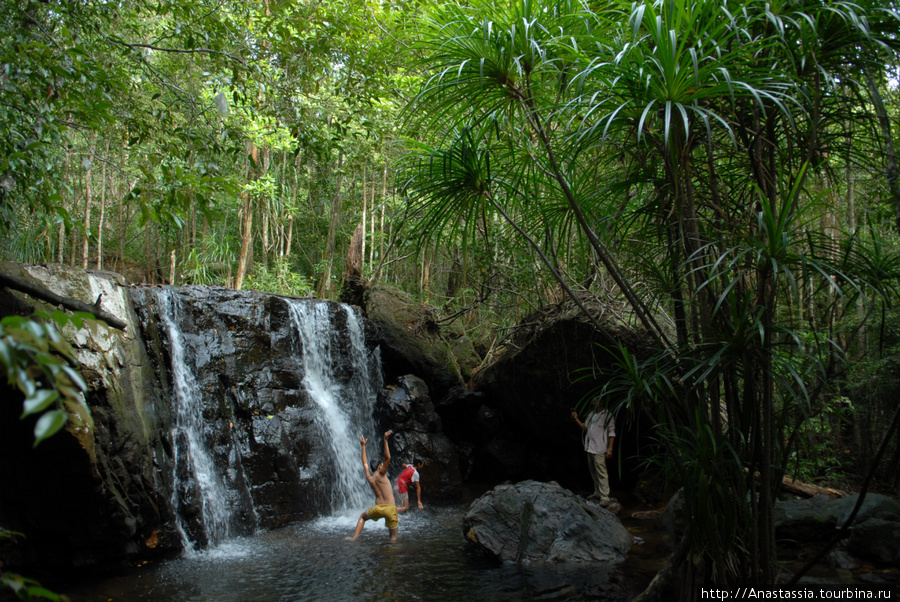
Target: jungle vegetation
<point x="722" y="174"/>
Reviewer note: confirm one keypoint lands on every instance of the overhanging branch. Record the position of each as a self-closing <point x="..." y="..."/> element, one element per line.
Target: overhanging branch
<point x="39" y="292"/>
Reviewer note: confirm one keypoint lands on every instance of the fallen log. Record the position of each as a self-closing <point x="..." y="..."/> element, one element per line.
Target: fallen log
<point x="808" y="489"/>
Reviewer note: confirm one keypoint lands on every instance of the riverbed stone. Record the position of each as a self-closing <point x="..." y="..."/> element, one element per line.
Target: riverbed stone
<point x="534" y="522"/>
<point x="877" y="540"/>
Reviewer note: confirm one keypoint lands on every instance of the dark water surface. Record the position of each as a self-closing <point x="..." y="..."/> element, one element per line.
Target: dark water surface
<point x="312" y="561"/>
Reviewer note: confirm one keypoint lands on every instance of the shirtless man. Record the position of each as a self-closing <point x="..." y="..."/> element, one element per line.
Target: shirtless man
<point x="384" y="496"/>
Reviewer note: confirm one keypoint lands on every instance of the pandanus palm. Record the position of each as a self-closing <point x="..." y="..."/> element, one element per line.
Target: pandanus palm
<point x="711" y="116"/>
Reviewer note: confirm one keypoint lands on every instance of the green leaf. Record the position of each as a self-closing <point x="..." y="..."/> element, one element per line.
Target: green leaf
<point x="43" y="592"/>
<point x="48" y="425"/>
<point x="75" y="377"/>
<point x="39" y="401"/>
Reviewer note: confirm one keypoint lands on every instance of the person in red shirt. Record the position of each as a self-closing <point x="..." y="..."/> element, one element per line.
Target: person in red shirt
<point x="409" y="476"/>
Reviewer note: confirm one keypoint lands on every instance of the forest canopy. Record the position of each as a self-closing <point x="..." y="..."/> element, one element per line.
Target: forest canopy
<point x="722" y="175"/>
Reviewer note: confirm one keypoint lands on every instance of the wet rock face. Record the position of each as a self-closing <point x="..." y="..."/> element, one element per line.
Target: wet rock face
<point x="245" y="354"/>
<point x="93" y="498"/>
<point x="86" y="499"/>
<point x="407" y="409"/>
<point x="532" y="522"/>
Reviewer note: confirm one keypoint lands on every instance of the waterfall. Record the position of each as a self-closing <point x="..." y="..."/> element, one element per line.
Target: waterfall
<point x="195" y="473"/>
<point x="344" y="404"/>
<point x="234" y="450"/>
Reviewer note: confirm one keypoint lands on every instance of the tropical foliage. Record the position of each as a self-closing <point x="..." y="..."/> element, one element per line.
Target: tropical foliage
<point x="690" y="147"/>
<point x="723" y="174"/>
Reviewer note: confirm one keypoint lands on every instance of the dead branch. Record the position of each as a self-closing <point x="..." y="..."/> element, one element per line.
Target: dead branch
<point x="39" y="292"/>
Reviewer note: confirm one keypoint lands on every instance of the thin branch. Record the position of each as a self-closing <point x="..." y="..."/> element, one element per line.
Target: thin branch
<point x="180" y="50"/>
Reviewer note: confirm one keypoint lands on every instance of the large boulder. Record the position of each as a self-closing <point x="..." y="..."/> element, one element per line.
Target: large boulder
<point x="532" y="522"/>
<point x="88" y="497"/>
<point x="877" y="540"/>
<point x="412" y="342"/>
<point x="816" y="518"/>
<point x="812" y="519"/>
<point x="874" y="505"/>
<point x="555" y="359"/>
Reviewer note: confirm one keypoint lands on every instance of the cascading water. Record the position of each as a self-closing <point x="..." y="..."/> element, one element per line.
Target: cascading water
<point x="266" y="433"/>
<point x="345" y="405"/>
<point x="195" y="470"/>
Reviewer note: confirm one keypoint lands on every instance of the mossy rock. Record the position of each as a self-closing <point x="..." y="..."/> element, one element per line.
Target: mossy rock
<point x="412" y="342"/>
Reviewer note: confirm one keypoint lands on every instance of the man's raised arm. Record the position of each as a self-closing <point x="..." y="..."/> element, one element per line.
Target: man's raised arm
<point x="363" y="441"/>
<point x="387" y="453"/>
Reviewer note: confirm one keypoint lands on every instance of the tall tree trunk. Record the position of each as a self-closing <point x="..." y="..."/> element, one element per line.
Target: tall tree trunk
<point x="891" y="168"/>
<point x="353" y="270"/>
<point x="294" y="187"/>
<point x="381" y="219"/>
<point x="60" y="252"/>
<point x="120" y="216"/>
<point x="363" y="222"/>
<point x="172" y="261"/>
<point x="265" y="234"/>
<point x="147" y="255"/>
<point x="252" y="174"/>
<point x="246" y="240"/>
<point x="100" y="225"/>
<point x="372" y="228"/>
<point x="325" y="282"/>
<point x="88" y="200"/>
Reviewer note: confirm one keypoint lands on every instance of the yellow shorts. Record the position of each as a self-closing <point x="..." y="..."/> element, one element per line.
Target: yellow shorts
<point x="386" y="511"/>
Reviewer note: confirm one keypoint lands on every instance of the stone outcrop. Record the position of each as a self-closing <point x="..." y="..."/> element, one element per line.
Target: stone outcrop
<point x="88" y="499"/>
<point x="413" y="343"/>
<point x="552" y="362"/>
<point x="532" y="522"/>
<point x="406" y="408"/>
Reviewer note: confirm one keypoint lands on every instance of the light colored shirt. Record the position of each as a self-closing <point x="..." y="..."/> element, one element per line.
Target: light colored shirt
<point x="601" y="426"/>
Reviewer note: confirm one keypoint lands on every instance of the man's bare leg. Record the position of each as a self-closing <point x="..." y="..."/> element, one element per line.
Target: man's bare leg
<point x="395" y="532"/>
<point x="359" y="526"/>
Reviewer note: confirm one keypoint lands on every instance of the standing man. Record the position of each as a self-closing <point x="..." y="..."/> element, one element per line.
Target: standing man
<point x="600" y="434"/>
<point x="409" y="476"/>
<point x="384" y="497"/>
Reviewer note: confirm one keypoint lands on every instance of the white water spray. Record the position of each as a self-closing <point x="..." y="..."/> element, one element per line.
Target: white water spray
<point x="190" y="450"/>
<point x="345" y="405"/>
